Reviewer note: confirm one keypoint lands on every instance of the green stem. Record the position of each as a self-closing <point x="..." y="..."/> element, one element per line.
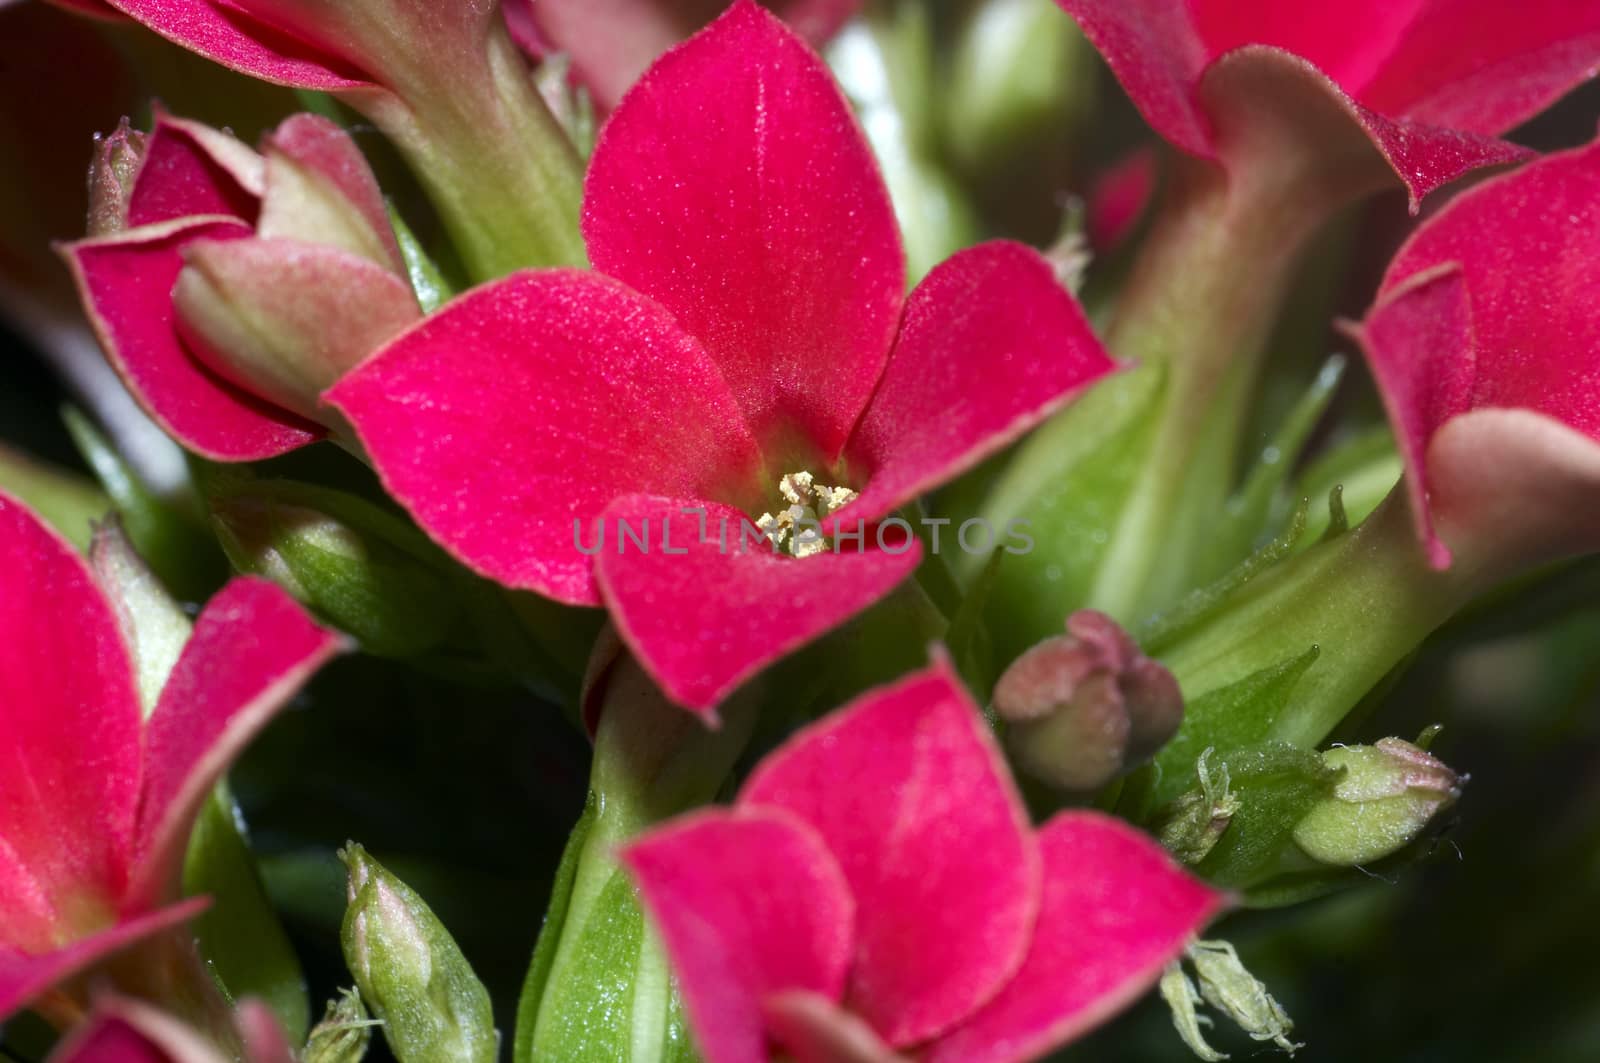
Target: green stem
<point x="505" y="178"/>
<point x="1193" y="320"/>
<point x="1365" y="599"/>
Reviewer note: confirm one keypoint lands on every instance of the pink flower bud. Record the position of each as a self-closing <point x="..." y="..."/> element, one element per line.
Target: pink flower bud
<point x="1086" y="706"/>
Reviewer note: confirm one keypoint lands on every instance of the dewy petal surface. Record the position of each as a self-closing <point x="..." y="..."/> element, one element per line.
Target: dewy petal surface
<point x="125" y="283"/>
<point x="991" y="345"/>
<point x="227" y="35"/>
<point x="253" y="647"/>
<point x="749" y="903"/>
<point x="1115" y="910"/>
<point x="907" y="787"/>
<point x="704" y="620"/>
<point x="190" y="169"/>
<point x="734" y="186"/>
<point x="533" y="402"/>
<point x="69" y="730"/>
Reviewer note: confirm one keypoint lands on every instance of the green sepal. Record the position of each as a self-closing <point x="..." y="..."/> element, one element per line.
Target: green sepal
<point x="1275" y="785"/>
<point x="1070" y="489"/>
<point x="544" y="951"/>
<point x="240" y="935"/>
<point x="1165" y="628"/>
<point x="1247" y="516"/>
<point x="1235" y="717"/>
<point x="172" y="542"/>
<point x="428" y="281"/>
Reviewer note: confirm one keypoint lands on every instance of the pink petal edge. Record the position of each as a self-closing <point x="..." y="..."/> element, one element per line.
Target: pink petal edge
<point x="252" y="648"/>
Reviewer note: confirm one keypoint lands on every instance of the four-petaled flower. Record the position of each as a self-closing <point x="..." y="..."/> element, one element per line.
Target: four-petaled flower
<point x="745" y="320"/>
<point x="1485" y="341"/>
<point x="98" y="804"/>
<point x="876" y="893"/>
<point x="239" y="285"/>
<point x="1418" y="87"/>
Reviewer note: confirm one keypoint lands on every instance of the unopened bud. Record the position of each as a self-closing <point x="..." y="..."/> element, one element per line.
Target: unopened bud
<point x="1086" y="706"/>
<point x="361" y="568"/>
<point x="1389" y="794"/>
<point x="344" y="1032"/>
<point x="285" y="319"/>
<point x="410" y="971"/>
<point x="117" y="158"/>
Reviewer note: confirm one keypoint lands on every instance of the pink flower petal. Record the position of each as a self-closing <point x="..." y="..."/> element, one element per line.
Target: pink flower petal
<point x="1430" y="120"/>
<point x="814" y="1029"/>
<point x="69" y="714"/>
<point x="905" y="785"/>
<point x="1116" y="909"/>
<point x="1512" y="489"/>
<point x="1267" y="104"/>
<point x="123" y="1030"/>
<point x="283" y="320"/>
<point x="1419" y="341"/>
<point x="264" y="1039"/>
<point x="24" y="977"/>
<point x="704" y="616"/>
<point x="191" y="169"/>
<point x="734" y="186"/>
<point x="223" y="33"/>
<point x="253" y="647"/>
<point x="1486" y="66"/>
<point x="321" y="147"/>
<point x="528" y="405"/>
<point x="748" y="902"/>
<point x="1494" y="303"/>
<point x="991" y="345"/>
<point x="126" y="283"/>
<point x="1119" y="198"/>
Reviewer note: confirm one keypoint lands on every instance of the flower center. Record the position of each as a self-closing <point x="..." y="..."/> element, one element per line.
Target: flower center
<point x="796" y="528"/>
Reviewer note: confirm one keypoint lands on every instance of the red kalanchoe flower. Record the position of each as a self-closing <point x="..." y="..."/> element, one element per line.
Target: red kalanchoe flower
<point x="1485" y="340"/>
<point x="98" y="804"/>
<point x="232" y="287"/>
<point x="746" y="322"/>
<point x="1421" y="86"/>
<point x="122" y="1030"/>
<point x="877" y="889"/>
<point x="612" y="42"/>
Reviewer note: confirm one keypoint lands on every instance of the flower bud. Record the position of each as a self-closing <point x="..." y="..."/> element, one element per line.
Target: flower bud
<point x="363" y="569"/>
<point x="1087" y="706"/>
<point x="343" y="1034"/>
<point x="117" y="158"/>
<point x="1390" y="793"/>
<point x="410" y="971"/>
<point x="285" y="319"/>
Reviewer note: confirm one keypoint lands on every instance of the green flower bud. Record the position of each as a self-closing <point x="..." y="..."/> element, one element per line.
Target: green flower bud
<point x="410" y="971"/>
<point x="1389" y="794"/>
<point x="363" y="569"/>
<point x="1085" y="707"/>
<point x="343" y="1034"/>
